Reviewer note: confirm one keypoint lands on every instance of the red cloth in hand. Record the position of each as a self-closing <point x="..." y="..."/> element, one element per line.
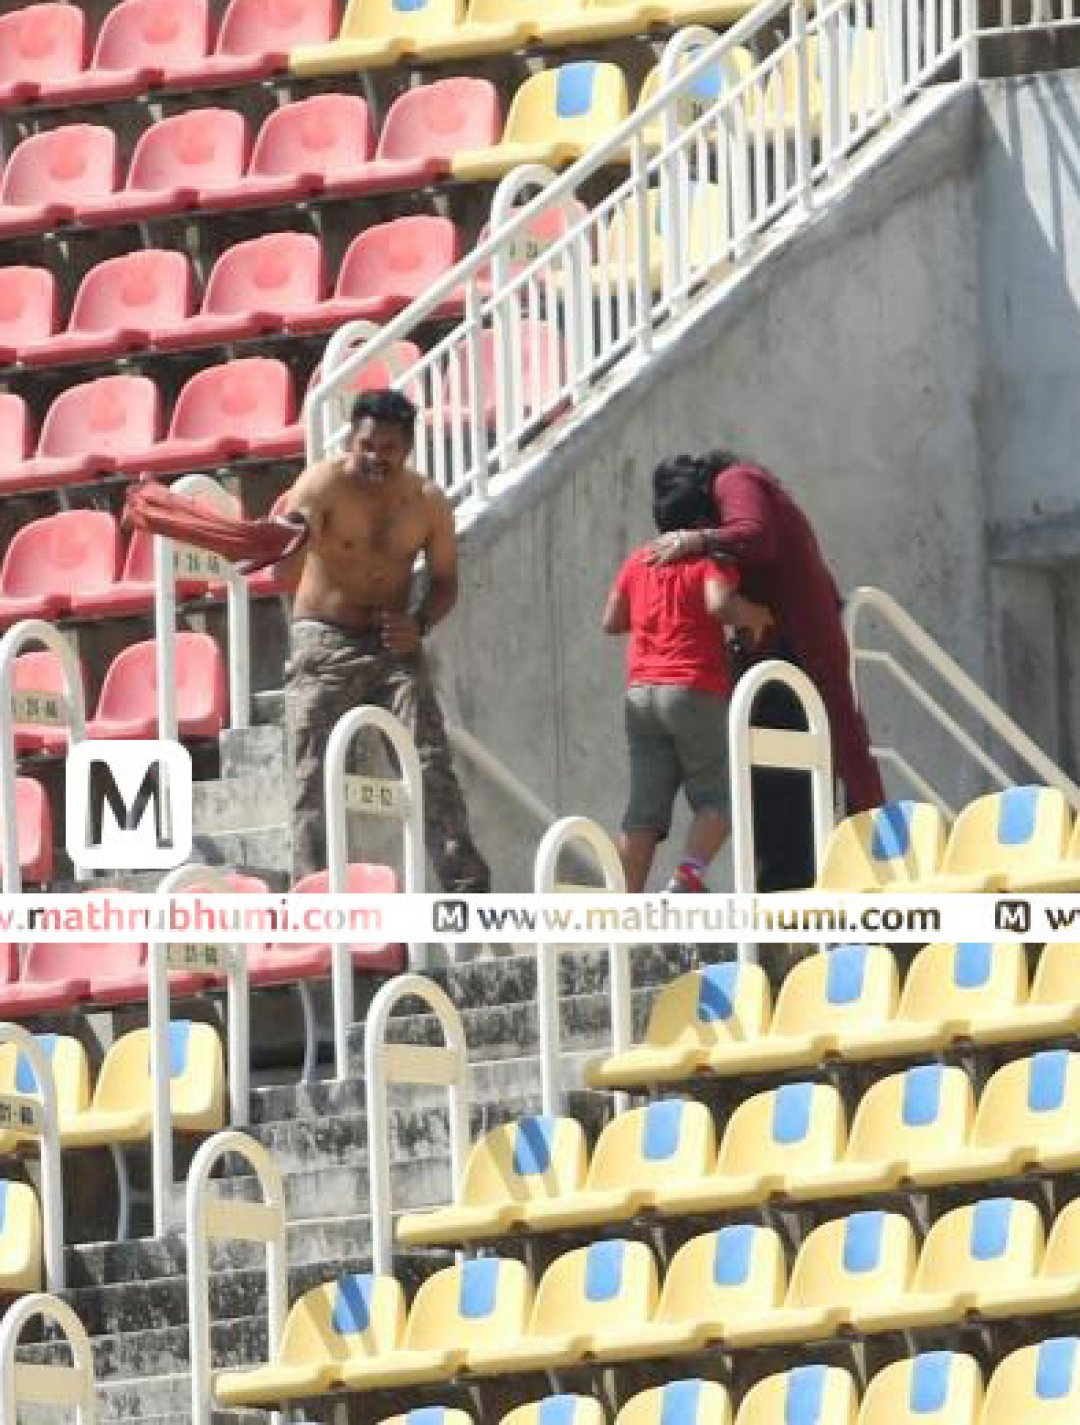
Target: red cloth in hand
<point x="250" y="544"/>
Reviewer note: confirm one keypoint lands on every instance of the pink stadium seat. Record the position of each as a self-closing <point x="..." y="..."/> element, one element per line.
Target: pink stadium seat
<point x="100" y="426"/>
<point x="9" y="964"/>
<point x="40" y="672"/>
<point x="50" y="177"/>
<point x="16" y="438"/>
<point x="187" y="161"/>
<point x="38" y="46"/>
<point x="133" y="592"/>
<point x="303" y="145"/>
<point x="253" y="288"/>
<point x="387" y="267"/>
<point x="50" y="559"/>
<point x="52" y="979"/>
<point x="29" y="309"/>
<point x="255" y="39"/>
<point x="33" y="815"/>
<point x="140" y="42"/>
<point x="283" y="963"/>
<point x="245" y="408"/>
<point x="118" y="304"/>
<point x="127" y="706"/>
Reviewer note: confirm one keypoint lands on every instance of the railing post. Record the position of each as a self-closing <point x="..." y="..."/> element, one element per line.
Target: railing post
<point x="44" y="1385"/>
<point x="803" y="135"/>
<point x="640" y="217"/>
<point x="969" y="51"/>
<point x="474" y="359"/>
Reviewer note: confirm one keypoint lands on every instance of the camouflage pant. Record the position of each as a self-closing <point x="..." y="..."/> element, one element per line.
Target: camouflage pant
<point x="332" y="670"/>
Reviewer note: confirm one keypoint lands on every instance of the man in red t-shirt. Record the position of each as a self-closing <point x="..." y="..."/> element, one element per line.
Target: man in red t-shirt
<point x="678" y="684"/>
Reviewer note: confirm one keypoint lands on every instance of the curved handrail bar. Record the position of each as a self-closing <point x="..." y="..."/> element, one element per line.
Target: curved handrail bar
<point x="385" y="1064"/>
<point x="48" y="1138"/>
<point x="46" y="1385"/>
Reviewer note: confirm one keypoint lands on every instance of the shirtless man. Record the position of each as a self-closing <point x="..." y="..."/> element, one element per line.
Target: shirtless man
<point x="354" y="640"/>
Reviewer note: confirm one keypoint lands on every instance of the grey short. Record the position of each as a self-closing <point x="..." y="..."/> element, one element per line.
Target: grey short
<point x="678" y="738"/>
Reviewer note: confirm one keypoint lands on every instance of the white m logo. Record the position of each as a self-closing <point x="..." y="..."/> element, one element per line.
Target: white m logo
<point x="128" y="805"/>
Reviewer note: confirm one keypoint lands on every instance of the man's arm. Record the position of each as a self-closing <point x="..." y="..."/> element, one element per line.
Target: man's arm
<point x="307" y="501"/>
<point x="745" y="530"/>
<point x="402" y="633"/>
<point x="616" y="617"/>
<point x="725" y="604"/>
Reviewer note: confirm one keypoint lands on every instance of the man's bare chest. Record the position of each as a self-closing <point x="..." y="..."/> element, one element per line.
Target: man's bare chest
<point x="361" y="526"/>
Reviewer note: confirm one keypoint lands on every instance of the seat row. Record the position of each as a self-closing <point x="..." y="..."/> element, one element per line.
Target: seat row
<point x="919" y="1128"/>
<point x="726" y="1290"/>
<point x="847" y="1003"/>
<point x="1039" y="1384"/>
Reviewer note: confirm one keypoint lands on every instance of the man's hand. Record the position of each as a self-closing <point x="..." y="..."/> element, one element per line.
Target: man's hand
<point x="675" y="546"/>
<point x="755" y="622"/>
<point x="400" y="633"/>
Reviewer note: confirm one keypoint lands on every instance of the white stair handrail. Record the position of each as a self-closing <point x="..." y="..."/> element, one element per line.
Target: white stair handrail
<point x="48" y="708"/>
<point x="869" y="602"/>
<point x="484" y="761"/>
<point x="577" y="831"/>
<point x="389" y="1063"/>
<point x="23" y="1382"/>
<point x="211" y="1218"/>
<point x="40" y="1118"/>
<point x="401" y="800"/>
<point x="171" y="562"/>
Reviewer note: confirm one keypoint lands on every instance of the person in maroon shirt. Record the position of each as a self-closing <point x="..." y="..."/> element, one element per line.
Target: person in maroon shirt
<point x="759" y="526"/>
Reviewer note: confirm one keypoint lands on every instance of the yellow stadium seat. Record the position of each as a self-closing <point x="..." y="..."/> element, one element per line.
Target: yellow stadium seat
<point x="484" y="1301"/>
<point x="1056" y="1285"/>
<point x="844" y="1267"/>
<point x="120" y="1110"/>
<point x="1053" y="1007"/>
<point x="1000" y="836"/>
<point x="950" y="990"/>
<point x="490" y="27"/>
<point x="701" y="93"/>
<point x="434" y="1415"/>
<point x="903" y="1123"/>
<point x="20" y="1238"/>
<point x="712" y="1283"/>
<point x="705" y="240"/>
<point x="986" y="1247"/>
<point x="770" y="1141"/>
<point x="556" y="1410"/>
<point x="680" y="1402"/>
<point x="71" y="1076"/>
<point x="637" y="1156"/>
<point x="608" y="1287"/>
<point x="555" y="116"/>
<point x="1037" y="1385"/>
<point x="355" y="1316"/>
<point x="873" y="850"/>
<point x="599" y="20"/>
<point x="718" y="1004"/>
<point x="1062" y="876"/>
<point x="812" y="1395"/>
<point x="533" y="1160"/>
<point x="376" y="33"/>
<point x="936" y="1388"/>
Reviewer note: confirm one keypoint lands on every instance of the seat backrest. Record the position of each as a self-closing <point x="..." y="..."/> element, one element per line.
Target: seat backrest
<point x="1062" y="1255"/>
<point x="843" y="988"/>
<point x="361" y="877"/>
<point x="72" y="164"/>
<point x="139" y="290"/>
<point x="129" y="688"/>
<point x="33" y="812"/>
<point x="795" y="1128"/>
<point x="441" y="119"/>
<point x="608" y="1285"/>
<point x="483" y="1301"/>
<point x="729" y="1003"/>
<point x="900" y="841"/>
<point x="29" y="303"/>
<point x="70" y="1067"/>
<point x="724" y="1276"/>
<point x="1034" y="1101"/>
<point x="326" y="134"/>
<point x="936" y="1388"/>
<point x="250" y="397"/>
<point x="947" y="981"/>
<point x="1039" y="1385"/>
<point x="680" y="1402"/>
<point x="197" y="148"/>
<point x="196" y="1075"/>
<point x="20" y="1237"/>
<point x="667" y="1141"/>
<point x="42" y="43"/>
<point x="555" y="1410"/>
<point x="275" y="26"/>
<point x="74" y="551"/>
<point x="399" y="19"/>
<point x="812" y="1395"/>
<point x="153" y="34"/>
<point x="16" y="437"/>
<point x="997" y="1243"/>
<point x="1012" y="830"/>
<point x="914" y="1117"/>
<point x="703" y="90"/>
<point x="1057" y="976"/>
<point x="276" y="273"/>
<point x="435" y="1415"/>
<point x="402" y="258"/>
<point x="40" y="671"/>
<point x="867" y="1257"/>
<point x="574" y="103"/>
<point x="112" y="416"/>
<point x="536" y="1158"/>
<point x="356" y="1316"/>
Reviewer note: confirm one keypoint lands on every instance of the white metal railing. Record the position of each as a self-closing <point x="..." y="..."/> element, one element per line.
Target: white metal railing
<point x="387" y="1063"/>
<point x="209" y="1218"/>
<point x="868" y="605"/>
<point x="174" y="561"/>
<point x="27" y="1383"/>
<point x="401" y="800"/>
<point x="37" y="708"/>
<point x="576" y="831"/>
<point x="689" y="186"/>
<point x="35" y="1114"/>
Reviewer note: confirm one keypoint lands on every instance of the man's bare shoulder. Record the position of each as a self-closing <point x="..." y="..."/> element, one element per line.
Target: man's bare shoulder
<point x="433" y="497"/>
